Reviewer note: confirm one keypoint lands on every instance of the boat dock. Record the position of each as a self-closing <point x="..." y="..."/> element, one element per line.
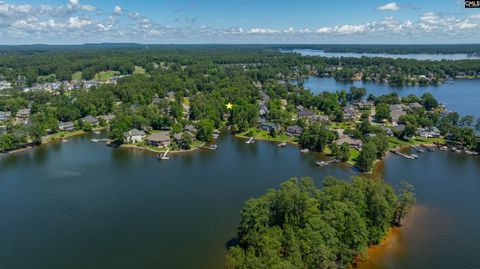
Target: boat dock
<point x="164" y="156"/>
<point x="250" y="140"/>
<point x="283" y="144"/>
<point x="325" y="163"/>
<point x="104" y="140"/>
<point x="407" y="156"/>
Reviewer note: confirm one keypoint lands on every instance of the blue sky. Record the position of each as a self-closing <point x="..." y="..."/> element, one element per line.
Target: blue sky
<point x="237" y="21"/>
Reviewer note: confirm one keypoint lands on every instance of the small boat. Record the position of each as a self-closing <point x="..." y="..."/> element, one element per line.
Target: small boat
<point x="215" y="136"/>
<point x="321" y="163"/>
<point x="430" y="149"/>
<point x="414" y="156"/>
<point x="213" y="147"/>
<point x="443" y="148"/>
<point x="64" y="140"/>
<point x="304" y="150"/>
<point x="419" y="149"/>
<point x="94" y="140"/>
<point x="96" y="132"/>
<point x="469" y="152"/>
<point x="450" y="82"/>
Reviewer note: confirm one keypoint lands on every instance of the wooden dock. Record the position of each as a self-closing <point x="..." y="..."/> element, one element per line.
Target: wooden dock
<point x="407" y="156"/>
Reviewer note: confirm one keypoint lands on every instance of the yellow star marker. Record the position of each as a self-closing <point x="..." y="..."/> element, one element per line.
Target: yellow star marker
<point x="229" y="105"/>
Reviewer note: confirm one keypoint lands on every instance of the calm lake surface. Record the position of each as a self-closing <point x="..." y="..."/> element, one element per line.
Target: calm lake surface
<point x="416" y="56"/>
<point x="463" y="96"/>
<point x="85" y="205"/>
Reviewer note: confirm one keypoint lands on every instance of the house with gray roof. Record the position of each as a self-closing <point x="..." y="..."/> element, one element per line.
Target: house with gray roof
<point x="161" y="139"/>
<point x="134" y="136"/>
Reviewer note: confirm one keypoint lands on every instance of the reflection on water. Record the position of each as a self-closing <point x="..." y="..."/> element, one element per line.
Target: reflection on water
<point x="85" y="205"/>
<point x="462" y="96"/>
<point x="416" y="56"/>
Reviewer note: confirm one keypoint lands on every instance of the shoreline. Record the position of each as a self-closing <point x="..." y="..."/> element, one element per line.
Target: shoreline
<point x="127" y="146"/>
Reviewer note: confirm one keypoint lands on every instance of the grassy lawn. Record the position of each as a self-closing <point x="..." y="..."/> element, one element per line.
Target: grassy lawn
<point x="264" y="135"/>
<point x="139" y="70"/>
<point x="105" y="75"/>
<point x="49" y="78"/>
<point x="77" y="75"/>
<point x="394" y="142"/>
<point x="65" y="134"/>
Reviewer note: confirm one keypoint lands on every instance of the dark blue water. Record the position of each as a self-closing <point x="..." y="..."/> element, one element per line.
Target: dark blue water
<point x="463" y="96"/>
<point x="416" y="56"/>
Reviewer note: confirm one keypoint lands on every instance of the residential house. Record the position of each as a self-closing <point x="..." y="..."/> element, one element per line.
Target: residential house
<point x="134" y="136"/>
<point x="107" y="118"/>
<point x="415" y="106"/>
<point x="66" y="126"/>
<point x="352" y="142"/>
<point x="5" y="115"/>
<point x="161" y="139"/>
<point x="91" y="119"/>
<point x="305" y="113"/>
<point x="269" y="127"/>
<point x="320" y="118"/>
<point x="387" y="131"/>
<point x="190" y="128"/>
<point x="396" y="111"/>
<point x="294" y="130"/>
<point x="263" y="110"/>
<point x="23" y="115"/>
<point x="428" y="132"/>
<point x="351" y="113"/>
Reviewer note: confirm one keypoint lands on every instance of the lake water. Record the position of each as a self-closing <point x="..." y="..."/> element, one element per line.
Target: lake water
<point x="416" y="56"/>
<point x="85" y="205"/>
<point x="463" y="96"/>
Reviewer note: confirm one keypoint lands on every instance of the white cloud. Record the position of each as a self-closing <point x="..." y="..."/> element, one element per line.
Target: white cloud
<point x="390" y="7"/>
<point x="474" y="16"/>
<point x="466" y="25"/>
<point x="74" y="2"/>
<point x="118" y="10"/>
<point x="73" y="22"/>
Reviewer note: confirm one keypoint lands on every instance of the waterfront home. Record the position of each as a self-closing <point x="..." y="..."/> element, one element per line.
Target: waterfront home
<point x="415" y="106"/>
<point x="5" y="115"/>
<point x="294" y="130"/>
<point x="66" y="126"/>
<point x="352" y="142"/>
<point x="178" y="137"/>
<point x="134" y="136"/>
<point x="91" y="119"/>
<point x="161" y="139"/>
<point x="396" y="111"/>
<point x="190" y="128"/>
<point x="107" y="118"/>
<point x="431" y="132"/>
<point x="269" y="127"/>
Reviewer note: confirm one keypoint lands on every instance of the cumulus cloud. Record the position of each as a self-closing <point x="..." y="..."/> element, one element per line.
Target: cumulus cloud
<point x="474" y="16"/>
<point x="74" y="22"/>
<point x="118" y="10"/>
<point x="389" y="6"/>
